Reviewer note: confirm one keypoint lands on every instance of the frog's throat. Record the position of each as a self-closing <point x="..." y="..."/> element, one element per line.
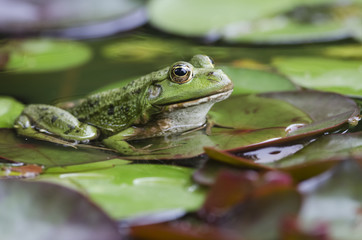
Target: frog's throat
<point x="208" y="99"/>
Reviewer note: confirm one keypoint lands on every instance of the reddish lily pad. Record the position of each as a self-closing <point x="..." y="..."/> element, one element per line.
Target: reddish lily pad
<point x="15" y="148"/>
<point x="335" y="146"/>
<point x="47" y="211"/>
<point x="180" y="231"/>
<point x="266" y="210"/>
<point x="315" y="158"/>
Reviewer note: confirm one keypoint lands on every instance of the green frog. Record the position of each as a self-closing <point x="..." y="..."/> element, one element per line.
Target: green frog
<point x="173" y="100"/>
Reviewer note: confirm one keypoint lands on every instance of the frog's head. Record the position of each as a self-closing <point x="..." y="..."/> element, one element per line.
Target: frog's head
<point x="186" y="81"/>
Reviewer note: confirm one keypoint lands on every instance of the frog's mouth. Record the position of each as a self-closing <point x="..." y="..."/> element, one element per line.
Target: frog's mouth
<point x="211" y="99"/>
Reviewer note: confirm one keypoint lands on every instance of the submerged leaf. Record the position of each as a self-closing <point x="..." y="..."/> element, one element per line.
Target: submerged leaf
<point x="334" y="199"/>
<point x="33" y="210"/>
<point x="14" y="148"/>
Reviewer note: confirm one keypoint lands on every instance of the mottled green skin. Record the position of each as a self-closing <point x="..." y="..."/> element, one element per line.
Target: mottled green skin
<point x="118" y="109"/>
<point x="154" y="105"/>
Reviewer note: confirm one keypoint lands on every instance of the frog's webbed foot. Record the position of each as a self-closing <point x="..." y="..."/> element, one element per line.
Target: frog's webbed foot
<point x="24" y="128"/>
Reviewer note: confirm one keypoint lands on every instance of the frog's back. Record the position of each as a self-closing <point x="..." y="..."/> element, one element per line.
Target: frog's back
<point x="116" y="109"/>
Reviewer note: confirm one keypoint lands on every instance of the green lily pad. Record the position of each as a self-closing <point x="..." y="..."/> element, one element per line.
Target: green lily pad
<point x="327" y="74"/>
<point x="34" y="210"/>
<point x="253" y="112"/>
<point x="334" y="199"/>
<point x="10" y="109"/>
<point x="258" y="21"/>
<point x="45" y="55"/>
<point x="127" y="190"/>
<point x="203" y="17"/>
<point x="256" y="81"/>
<point x="14" y="148"/>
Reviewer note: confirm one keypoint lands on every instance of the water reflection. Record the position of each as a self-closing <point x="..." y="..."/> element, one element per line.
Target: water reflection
<point x="272" y="154"/>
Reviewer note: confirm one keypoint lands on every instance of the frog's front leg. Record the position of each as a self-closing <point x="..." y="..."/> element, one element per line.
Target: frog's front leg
<point x="119" y="142"/>
<point x="49" y="123"/>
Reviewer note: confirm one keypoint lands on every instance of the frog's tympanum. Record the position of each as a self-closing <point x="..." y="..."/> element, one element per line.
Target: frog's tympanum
<point x="172" y="100"/>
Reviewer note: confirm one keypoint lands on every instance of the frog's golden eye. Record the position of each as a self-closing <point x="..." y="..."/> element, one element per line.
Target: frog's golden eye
<point x="181" y="73"/>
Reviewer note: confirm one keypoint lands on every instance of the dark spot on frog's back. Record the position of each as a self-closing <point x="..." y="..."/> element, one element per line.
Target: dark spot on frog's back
<point x="93" y="103"/>
<point x="43" y="109"/>
<point x="210" y="73"/>
<point x="71" y="128"/>
<point x="54" y="118"/>
<point x="111" y="109"/>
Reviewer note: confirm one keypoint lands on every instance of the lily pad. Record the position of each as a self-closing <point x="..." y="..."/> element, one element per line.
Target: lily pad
<point x="203" y="17"/>
<point x="256" y="81"/>
<point x="45" y="55"/>
<point x="257" y="21"/>
<point x="128" y="190"/>
<point x="34" y="210"/>
<point x="254" y="112"/>
<point x="10" y="109"/>
<point x="327" y="74"/>
<point x="334" y="199"/>
<point x="14" y="148"/>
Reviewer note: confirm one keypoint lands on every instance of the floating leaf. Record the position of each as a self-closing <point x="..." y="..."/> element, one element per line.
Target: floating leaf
<point x="10" y="109"/>
<point x="33" y="210"/>
<point x="334" y="199"/>
<point x="253" y="112"/>
<point x="204" y="16"/>
<point x="127" y="190"/>
<point x="45" y="55"/>
<point x="256" y="81"/>
<point x="258" y="22"/>
<point x="341" y="76"/>
<point x="14" y="148"/>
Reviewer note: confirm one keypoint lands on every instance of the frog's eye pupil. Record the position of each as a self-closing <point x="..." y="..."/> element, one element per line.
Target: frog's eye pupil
<point x="180" y="71"/>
